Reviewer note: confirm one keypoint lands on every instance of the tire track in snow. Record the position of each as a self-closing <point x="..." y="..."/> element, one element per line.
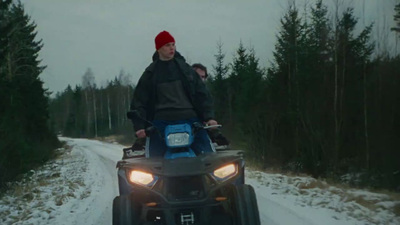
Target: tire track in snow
<point x="101" y="182"/>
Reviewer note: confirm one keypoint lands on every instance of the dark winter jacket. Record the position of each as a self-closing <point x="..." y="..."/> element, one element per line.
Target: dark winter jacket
<point x="144" y="98"/>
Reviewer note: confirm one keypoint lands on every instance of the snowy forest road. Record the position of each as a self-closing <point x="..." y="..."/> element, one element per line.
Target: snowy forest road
<point x="79" y="184"/>
<point x="282" y="200"/>
<point x="102" y="178"/>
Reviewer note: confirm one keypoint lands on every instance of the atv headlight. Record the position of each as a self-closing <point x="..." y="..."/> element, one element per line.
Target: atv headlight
<point x="139" y="177"/>
<point x="226" y="172"/>
<point x="178" y="139"/>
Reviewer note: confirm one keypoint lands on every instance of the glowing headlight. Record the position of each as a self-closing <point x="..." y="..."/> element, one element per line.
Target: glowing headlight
<point x="177" y="139"/>
<point x="140" y="177"/>
<point x="224" y="172"/>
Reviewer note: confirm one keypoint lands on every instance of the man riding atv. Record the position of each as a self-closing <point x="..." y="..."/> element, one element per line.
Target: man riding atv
<point x="219" y="141"/>
<point x="170" y="92"/>
<point x="181" y="179"/>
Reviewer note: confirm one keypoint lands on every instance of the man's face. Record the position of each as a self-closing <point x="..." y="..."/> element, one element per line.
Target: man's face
<point x="167" y="51"/>
<point x="201" y="73"/>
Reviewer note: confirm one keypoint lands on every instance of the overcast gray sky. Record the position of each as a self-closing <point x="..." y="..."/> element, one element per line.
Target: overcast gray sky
<point x="110" y="35"/>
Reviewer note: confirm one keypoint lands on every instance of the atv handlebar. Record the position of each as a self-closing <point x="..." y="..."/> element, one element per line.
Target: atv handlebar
<point x="212" y="126"/>
<point x="196" y="127"/>
<point x="132" y="115"/>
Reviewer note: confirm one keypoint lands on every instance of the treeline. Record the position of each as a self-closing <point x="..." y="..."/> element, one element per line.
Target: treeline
<point x="25" y="139"/>
<point x="328" y="105"/>
<point x="89" y="111"/>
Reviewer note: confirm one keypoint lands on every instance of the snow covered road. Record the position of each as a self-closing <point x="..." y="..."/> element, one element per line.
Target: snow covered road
<point x="101" y="181"/>
<point x="79" y="186"/>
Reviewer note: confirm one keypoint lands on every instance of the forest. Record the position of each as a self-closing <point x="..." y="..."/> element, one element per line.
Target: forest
<point x="26" y="140"/>
<point x="328" y="105"/>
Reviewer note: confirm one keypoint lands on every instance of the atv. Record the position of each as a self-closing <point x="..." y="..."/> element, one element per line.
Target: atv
<point x="184" y="188"/>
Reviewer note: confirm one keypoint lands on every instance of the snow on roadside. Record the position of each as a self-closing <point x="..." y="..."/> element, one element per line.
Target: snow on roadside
<point x="344" y="206"/>
<point x="38" y="196"/>
<point x="65" y="189"/>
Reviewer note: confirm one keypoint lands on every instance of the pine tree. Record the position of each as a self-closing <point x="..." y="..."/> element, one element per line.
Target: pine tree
<point x="236" y="79"/>
<point x="23" y="72"/>
<point x="283" y="80"/>
<point x="61" y="109"/>
<point x="78" y="129"/>
<point x="253" y="106"/>
<point x="5" y="26"/>
<point x="26" y="138"/>
<point x="315" y="63"/>
<point x="397" y="19"/>
<point x="252" y="83"/>
<point x="351" y="56"/>
<point x="219" y="86"/>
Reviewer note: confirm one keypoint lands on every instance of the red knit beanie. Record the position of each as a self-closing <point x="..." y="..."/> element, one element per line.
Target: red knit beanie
<point x="163" y="38"/>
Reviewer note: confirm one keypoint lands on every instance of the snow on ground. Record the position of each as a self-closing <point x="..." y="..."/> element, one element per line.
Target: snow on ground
<point x="78" y="187"/>
<point x="316" y="202"/>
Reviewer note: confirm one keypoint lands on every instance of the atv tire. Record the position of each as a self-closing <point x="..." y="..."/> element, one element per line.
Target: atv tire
<point x="245" y="205"/>
<point x="116" y="211"/>
<point x="125" y="211"/>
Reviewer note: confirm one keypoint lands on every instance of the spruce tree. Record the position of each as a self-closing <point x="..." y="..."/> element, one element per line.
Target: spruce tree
<point x="236" y="79"/>
<point x="397" y="19"/>
<point x="314" y="90"/>
<point x="26" y="138"/>
<point x="219" y="85"/>
<point x="283" y="80"/>
<point x="5" y="26"/>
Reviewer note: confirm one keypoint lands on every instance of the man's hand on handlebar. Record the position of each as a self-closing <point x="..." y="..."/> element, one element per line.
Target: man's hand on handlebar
<point x="211" y="123"/>
<point x="141" y="133"/>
